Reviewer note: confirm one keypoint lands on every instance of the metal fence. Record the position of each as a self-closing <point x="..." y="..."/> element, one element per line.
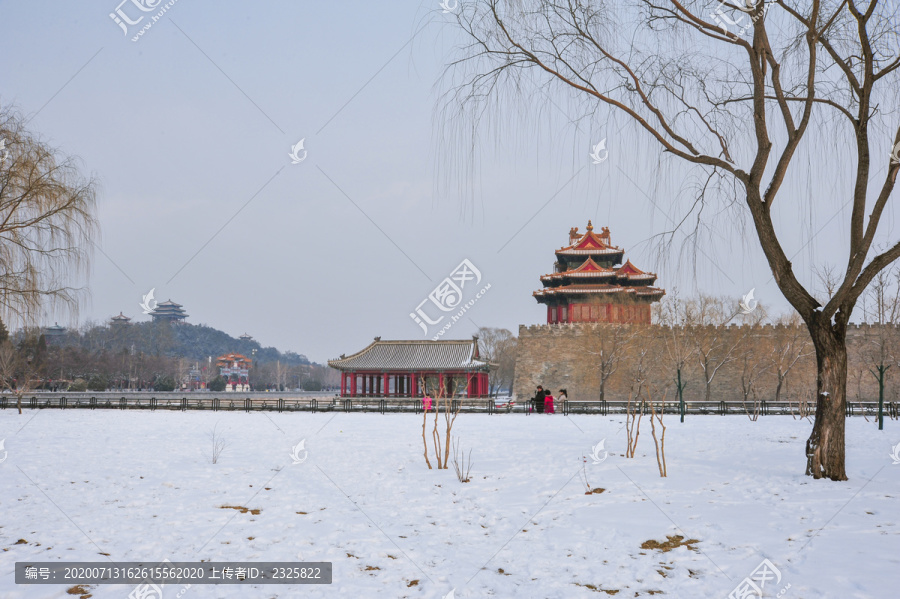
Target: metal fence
<point x="395" y="405"/>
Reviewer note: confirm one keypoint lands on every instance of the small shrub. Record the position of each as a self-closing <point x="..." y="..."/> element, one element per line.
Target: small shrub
<point x="78" y="385"/>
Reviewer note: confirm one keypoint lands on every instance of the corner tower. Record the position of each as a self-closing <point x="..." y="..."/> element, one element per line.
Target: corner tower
<point x="589" y="283"/>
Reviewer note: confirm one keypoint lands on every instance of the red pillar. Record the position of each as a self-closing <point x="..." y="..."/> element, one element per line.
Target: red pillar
<point x="352" y="384"/>
<point x="343" y="382"/>
<point x="387" y="387"/>
<point x="441" y="390"/>
<point x="413" y="384"/>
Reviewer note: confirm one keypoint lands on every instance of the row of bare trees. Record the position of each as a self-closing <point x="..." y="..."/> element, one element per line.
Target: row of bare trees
<point x="699" y="351"/>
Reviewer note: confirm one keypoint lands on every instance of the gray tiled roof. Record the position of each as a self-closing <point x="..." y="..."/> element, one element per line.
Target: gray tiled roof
<point x="414" y="355"/>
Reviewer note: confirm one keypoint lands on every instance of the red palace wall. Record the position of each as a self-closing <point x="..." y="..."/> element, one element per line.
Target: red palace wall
<point x="616" y="313"/>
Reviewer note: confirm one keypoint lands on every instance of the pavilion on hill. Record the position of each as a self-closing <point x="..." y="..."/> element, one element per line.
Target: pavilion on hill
<point x="401" y="368"/>
<point x="119" y="320"/>
<point x="169" y="311"/>
<point x="588" y="286"/>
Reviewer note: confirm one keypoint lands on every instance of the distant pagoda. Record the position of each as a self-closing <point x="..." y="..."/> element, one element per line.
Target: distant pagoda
<point x="587" y="286"/>
<point x="119" y="320"/>
<point x="169" y="311"/>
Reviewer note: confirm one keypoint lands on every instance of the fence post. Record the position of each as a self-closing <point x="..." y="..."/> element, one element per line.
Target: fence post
<point x="247" y="405"/>
<point x="93" y="403"/>
<point x="123" y="403"/>
<point x="490" y="407"/>
<point x="152" y="404"/>
<point x="280" y="405"/>
<point x="62" y="402"/>
<point x="314" y="404"/>
<point x="722" y="406"/>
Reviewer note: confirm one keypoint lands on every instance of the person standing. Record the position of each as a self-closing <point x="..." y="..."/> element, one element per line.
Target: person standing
<point x="539" y="400"/>
<point x="563" y="396"/>
<point x="548" y="404"/>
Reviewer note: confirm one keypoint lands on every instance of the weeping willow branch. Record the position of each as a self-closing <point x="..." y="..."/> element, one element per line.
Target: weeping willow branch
<point x="47" y="225"/>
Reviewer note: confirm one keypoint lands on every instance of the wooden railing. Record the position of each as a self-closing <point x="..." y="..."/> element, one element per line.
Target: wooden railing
<point x="385" y="405"/>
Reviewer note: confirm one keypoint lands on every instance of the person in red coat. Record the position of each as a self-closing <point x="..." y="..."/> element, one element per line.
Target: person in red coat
<point x="548" y="404"/>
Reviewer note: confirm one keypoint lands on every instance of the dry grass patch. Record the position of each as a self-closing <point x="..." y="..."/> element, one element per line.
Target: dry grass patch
<point x="85" y="593"/>
<point x="674" y="542"/>
<point x="241" y="509"/>
<point x="597" y="589"/>
<point x="413" y="583"/>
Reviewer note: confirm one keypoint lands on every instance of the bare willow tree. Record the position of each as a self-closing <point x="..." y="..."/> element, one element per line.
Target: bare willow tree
<point x="47" y="224"/>
<point x="731" y="91"/>
<point x="498" y="347"/>
<point x="608" y="347"/>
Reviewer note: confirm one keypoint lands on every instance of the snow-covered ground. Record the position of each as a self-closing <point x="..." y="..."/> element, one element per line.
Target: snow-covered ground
<point x="139" y="486"/>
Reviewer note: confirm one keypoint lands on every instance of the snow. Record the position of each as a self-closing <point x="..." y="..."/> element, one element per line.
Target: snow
<point x="140" y="486"/>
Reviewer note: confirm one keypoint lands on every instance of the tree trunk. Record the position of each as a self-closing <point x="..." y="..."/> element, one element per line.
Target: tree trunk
<point x="825" y="446"/>
<point x="778" y="386"/>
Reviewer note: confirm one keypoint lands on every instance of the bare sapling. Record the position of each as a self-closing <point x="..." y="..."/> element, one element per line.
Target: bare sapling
<point x="634" y="409"/>
<point x="424" y="423"/>
<point x="218" y="444"/>
<point x="462" y="463"/>
<point x="443" y="402"/>
<point x="656" y="416"/>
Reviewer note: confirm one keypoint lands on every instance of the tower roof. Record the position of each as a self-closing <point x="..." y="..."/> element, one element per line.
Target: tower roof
<point x="589" y="244"/>
<point x="587" y="267"/>
<point x="414" y="355"/>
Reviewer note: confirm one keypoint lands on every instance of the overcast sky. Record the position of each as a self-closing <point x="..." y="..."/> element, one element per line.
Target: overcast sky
<point x="190" y="130"/>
